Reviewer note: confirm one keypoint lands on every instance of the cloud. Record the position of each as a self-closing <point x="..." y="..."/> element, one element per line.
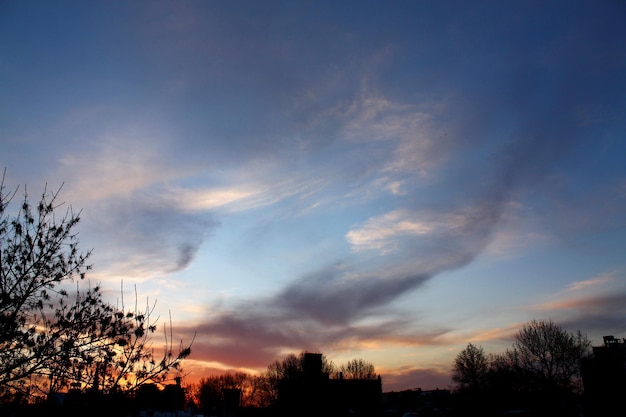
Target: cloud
<point x="211" y="199"/>
<point x="255" y="335"/>
<point x="329" y="297"/>
<point x="257" y="189"/>
<point x="142" y="236"/>
<point x="609" y="318"/>
<point x="602" y="313"/>
<point x="601" y="304"/>
<point x="591" y="283"/>
<point x="490" y="335"/>
<point x="114" y="166"/>
<point x="381" y="233"/>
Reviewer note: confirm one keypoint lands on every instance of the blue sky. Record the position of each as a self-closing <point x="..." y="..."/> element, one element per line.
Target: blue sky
<point x="384" y="180"/>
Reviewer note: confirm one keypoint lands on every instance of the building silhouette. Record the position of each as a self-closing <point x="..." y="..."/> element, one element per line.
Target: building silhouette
<point x="604" y="378"/>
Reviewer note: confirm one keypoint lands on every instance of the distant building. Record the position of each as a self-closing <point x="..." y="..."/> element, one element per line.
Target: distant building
<point x="604" y="377"/>
<point x="422" y="402"/>
<point x="314" y="393"/>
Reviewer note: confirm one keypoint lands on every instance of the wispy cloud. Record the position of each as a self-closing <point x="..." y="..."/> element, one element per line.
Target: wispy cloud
<point x="603" y="310"/>
<point x="591" y="305"/>
<point x="117" y="166"/>
<point x="591" y="283"/>
<point x="382" y="233"/>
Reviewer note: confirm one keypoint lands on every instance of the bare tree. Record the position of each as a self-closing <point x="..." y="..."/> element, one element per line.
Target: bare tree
<point x="549" y="353"/>
<point x="135" y="360"/>
<point x="358" y="369"/>
<point x="208" y="394"/>
<point x="470" y="368"/>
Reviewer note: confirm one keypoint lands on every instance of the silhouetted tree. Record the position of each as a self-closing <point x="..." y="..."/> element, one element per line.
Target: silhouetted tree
<point x="505" y="375"/>
<point x="550" y="354"/>
<point x="208" y="394"/>
<point x="84" y="331"/>
<point x="539" y="372"/>
<point x="121" y="356"/>
<point x="38" y="252"/>
<point x="358" y="369"/>
<point x="48" y="339"/>
<point x="470" y="368"/>
<point x="289" y="368"/>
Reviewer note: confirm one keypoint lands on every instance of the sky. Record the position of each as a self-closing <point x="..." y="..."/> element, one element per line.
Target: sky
<point x="385" y="180"/>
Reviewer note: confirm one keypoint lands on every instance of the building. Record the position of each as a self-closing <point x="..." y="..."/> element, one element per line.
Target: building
<point x="604" y="377"/>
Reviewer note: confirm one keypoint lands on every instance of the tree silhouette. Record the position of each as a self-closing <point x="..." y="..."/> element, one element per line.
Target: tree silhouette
<point x="470" y="368"/>
<point x="38" y="252"/>
<point x="208" y="394"/>
<point x="540" y="372"/>
<point x="550" y="354"/>
<point x="118" y="353"/>
<point x="358" y="369"/>
<point x="289" y="368"/>
<point x="50" y="338"/>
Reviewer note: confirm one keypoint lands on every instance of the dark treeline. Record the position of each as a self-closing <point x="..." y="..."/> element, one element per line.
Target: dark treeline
<point x="262" y="391"/>
<point x="540" y="375"/>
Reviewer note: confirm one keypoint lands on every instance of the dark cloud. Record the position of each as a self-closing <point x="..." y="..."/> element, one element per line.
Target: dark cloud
<point x="331" y="299"/>
<point x="606" y="314"/>
<point x="255" y="335"/>
<point x="151" y="232"/>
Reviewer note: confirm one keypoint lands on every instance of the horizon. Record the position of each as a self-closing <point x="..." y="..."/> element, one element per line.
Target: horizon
<point x="379" y="180"/>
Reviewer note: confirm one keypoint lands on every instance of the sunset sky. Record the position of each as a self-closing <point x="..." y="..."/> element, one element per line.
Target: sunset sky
<point x="386" y="180"/>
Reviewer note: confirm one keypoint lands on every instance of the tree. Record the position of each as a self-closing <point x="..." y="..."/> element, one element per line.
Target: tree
<point x="48" y="342"/>
<point x="358" y="369"/>
<point x="289" y="368"/>
<point x="550" y="354"/>
<point x="82" y="334"/>
<point x="117" y="353"/>
<point x="208" y="394"/>
<point x="470" y="368"/>
<point x="38" y="252"/>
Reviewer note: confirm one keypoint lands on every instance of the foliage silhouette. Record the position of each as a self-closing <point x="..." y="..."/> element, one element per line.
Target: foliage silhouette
<point x="540" y="371"/>
<point x="470" y="368"/>
<point x="358" y="369"/>
<point x="52" y="339"/>
<point x="551" y="355"/>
